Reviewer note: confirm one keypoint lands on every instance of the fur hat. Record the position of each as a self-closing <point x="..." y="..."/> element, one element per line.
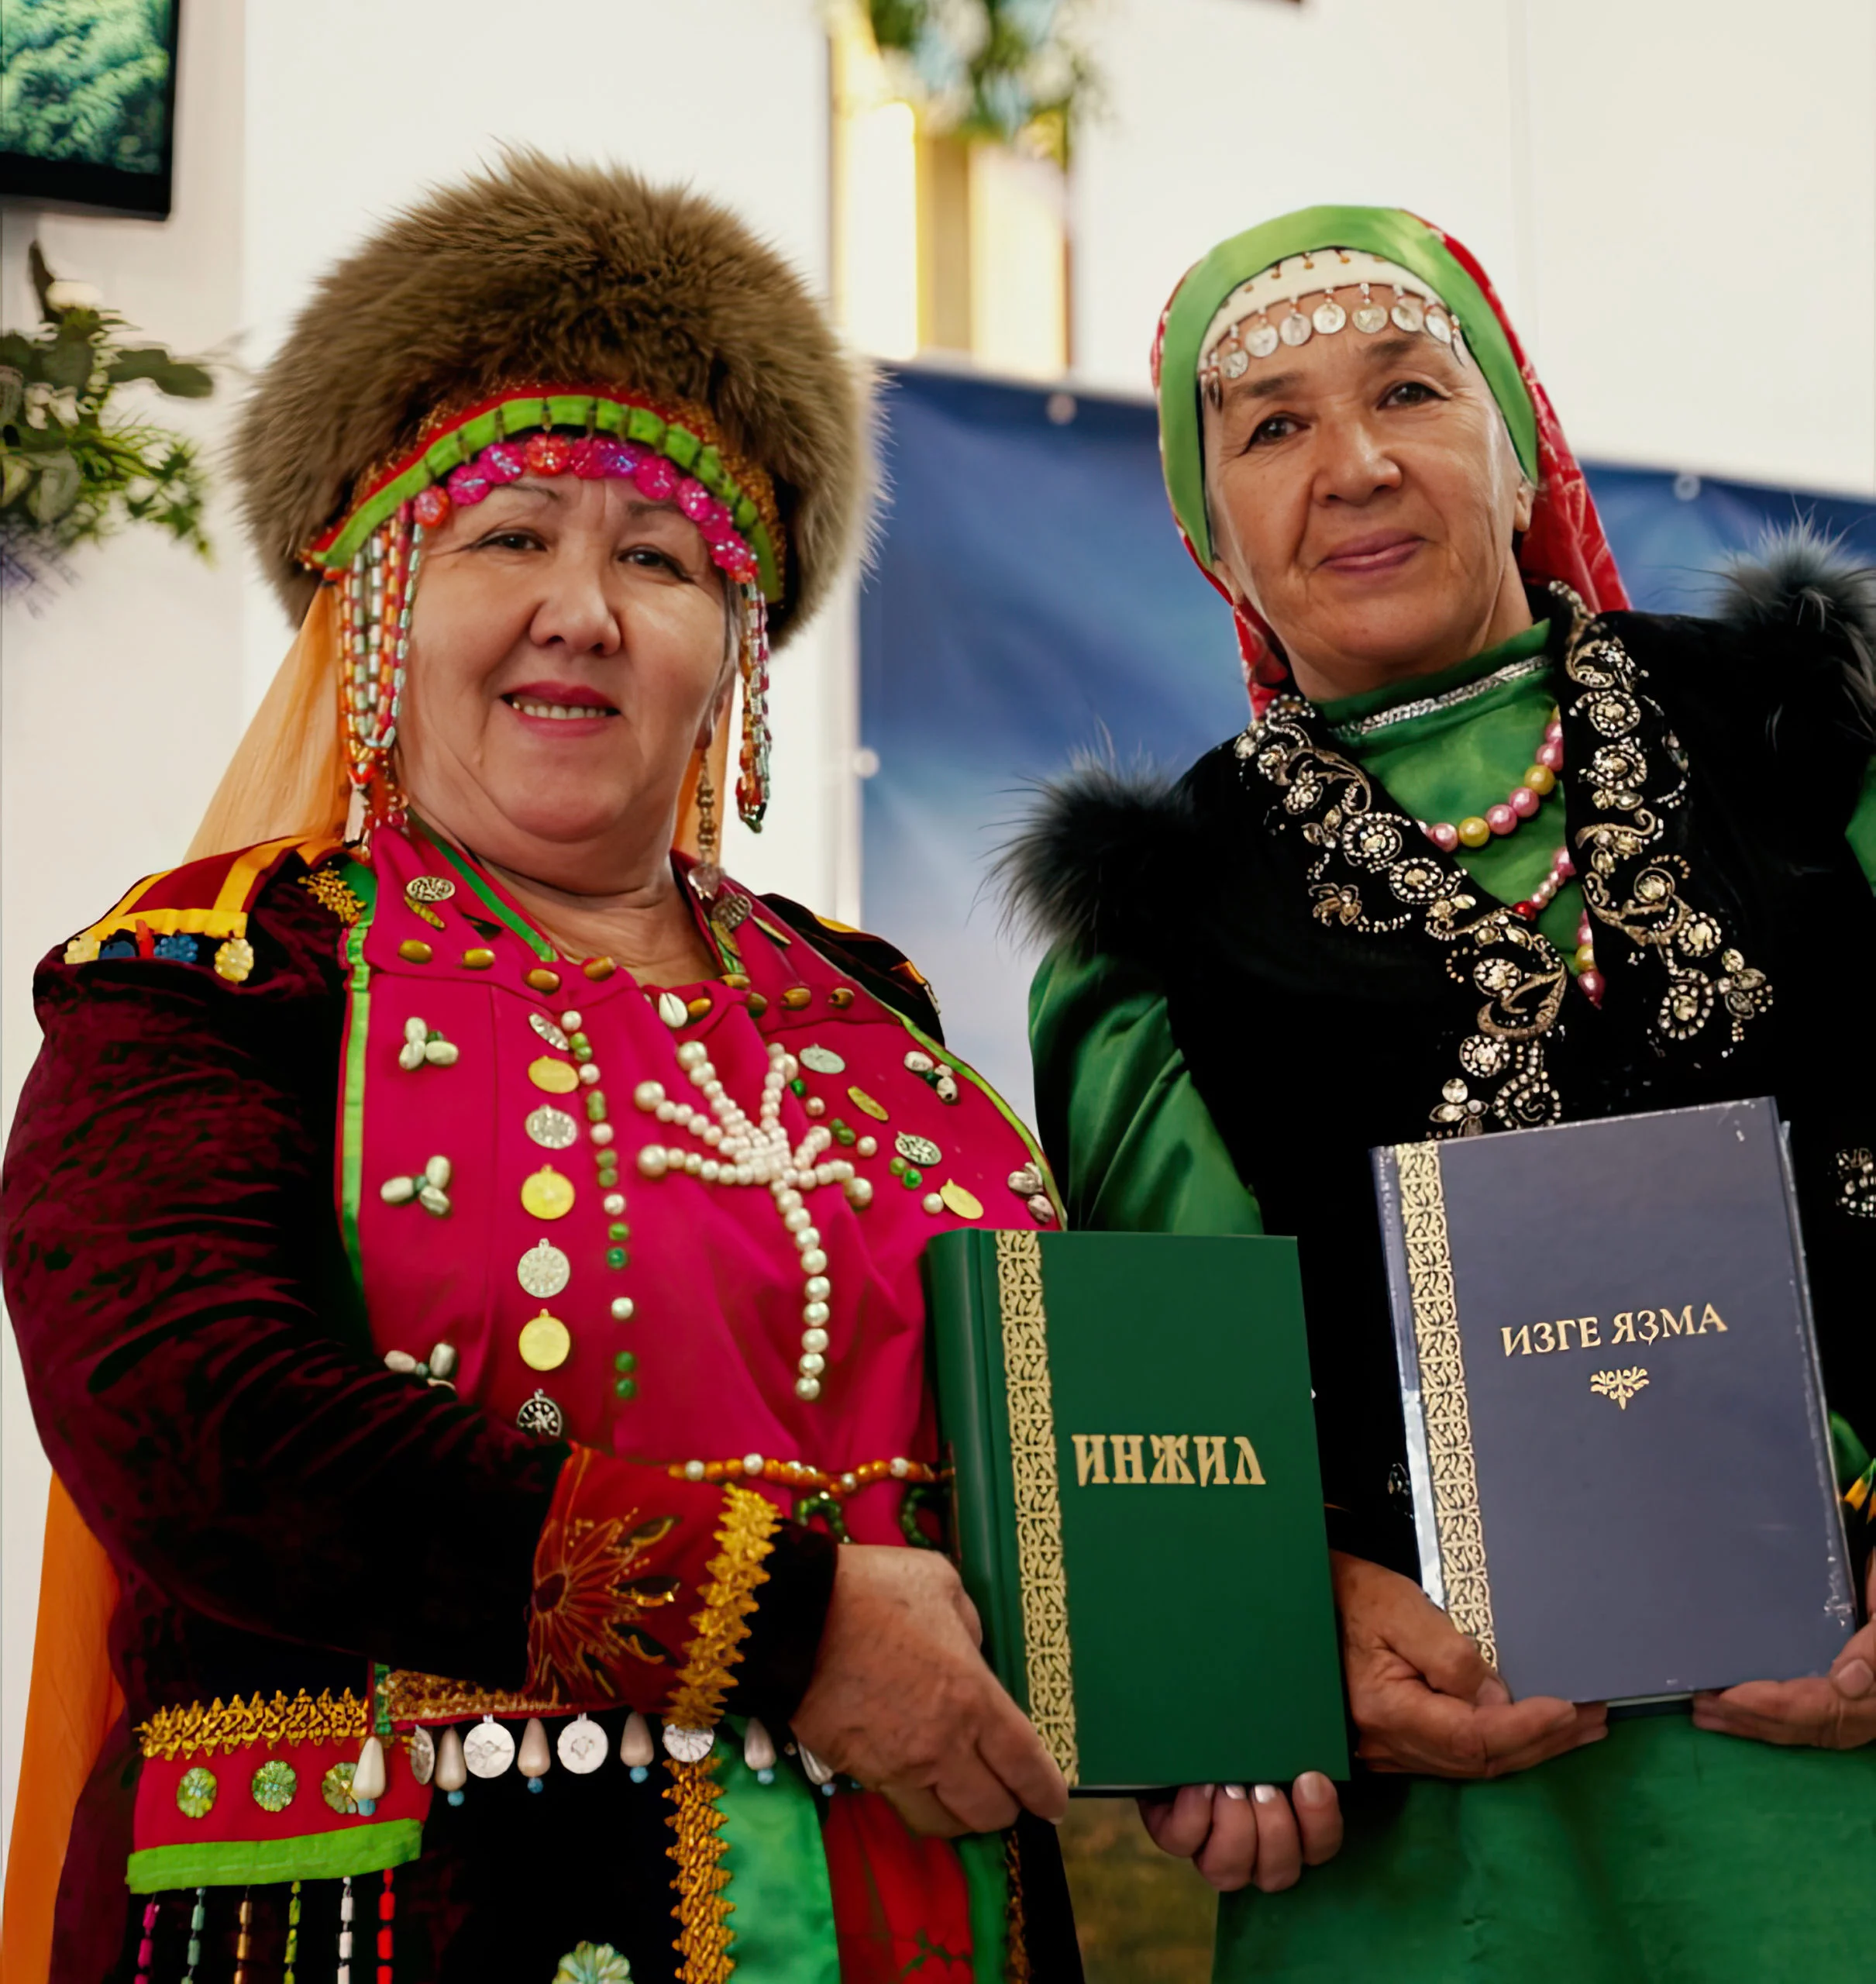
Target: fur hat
<point x="553" y="273"/>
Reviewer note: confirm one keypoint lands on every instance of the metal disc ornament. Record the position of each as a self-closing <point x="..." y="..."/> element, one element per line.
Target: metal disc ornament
<point x="541" y="1417"/>
<point x="547" y="1030"/>
<point x="1234" y="362"/>
<point x="552" y="1129"/>
<point x="1409" y="314"/>
<point x="822" y="1061"/>
<point x="1295" y="328"/>
<point x="582" y="1746"/>
<point x="545" y="1342"/>
<point x="544" y="1270"/>
<point x="429" y="888"/>
<point x="1371" y="318"/>
<point x="1440" y="325"/>
<point x="423" y="1754"/>
<point x="488" y="1750"/>
<point x="688" y="1746"/>
<point x="547" y="1193"/>
<point x="557" y="1077"/>
<point x="1329" y="317"/>
<point x="921" y="1151"/>
<point x="1263" y="340"/>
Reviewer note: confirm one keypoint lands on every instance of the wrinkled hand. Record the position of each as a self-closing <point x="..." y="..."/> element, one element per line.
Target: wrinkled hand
<point x="1423" y="1696"/>
<point x="902" y="1700"/>
<point x="1238" y="1838"/>
<point x="1837" y="1711"/>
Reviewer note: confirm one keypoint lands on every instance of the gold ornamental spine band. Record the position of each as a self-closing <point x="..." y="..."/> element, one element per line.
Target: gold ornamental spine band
<point x="1048" y="1662"/>
<point x="1457" y="1521"/>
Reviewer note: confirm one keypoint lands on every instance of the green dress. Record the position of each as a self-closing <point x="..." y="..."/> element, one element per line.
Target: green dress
<point x="1665" y="1855"/>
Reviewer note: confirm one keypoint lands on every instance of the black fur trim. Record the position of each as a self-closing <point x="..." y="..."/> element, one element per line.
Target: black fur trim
<point x="1799" y="577"/>
<point x="1094" y="851"/>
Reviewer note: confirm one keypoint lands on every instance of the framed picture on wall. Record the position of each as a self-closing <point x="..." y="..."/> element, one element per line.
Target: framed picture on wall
<point x="88" y="104"/>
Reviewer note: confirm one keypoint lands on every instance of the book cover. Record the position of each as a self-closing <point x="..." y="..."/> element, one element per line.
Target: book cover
<point x="1137" y="1505"/>
<point x="1620" y="1451"/>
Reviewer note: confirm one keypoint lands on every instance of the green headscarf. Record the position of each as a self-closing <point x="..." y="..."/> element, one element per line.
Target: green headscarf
<point x="1397" y="236"/>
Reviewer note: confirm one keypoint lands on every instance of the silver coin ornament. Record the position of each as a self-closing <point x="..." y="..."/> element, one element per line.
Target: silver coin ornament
<point x="429" y="888"/>
<point x="543" y="1271"/>
<point x="547" y="1030"/>
<point x="553" y="1129"/>
<point x="1409" y="314"/>
<point x="423" y="1754"/>
<point x="1440" y="325"/>
<point x="1295" y="328"/>
<point x="822" y="1061"/>
<point x="1371" y="318"/>
<point x="688" y="1746"/>
<point x="488" y="1750"/>
<point x="1328" y="316"/>
<point x="1263" y="340"/>
<point x="541" y="1417"/>
<point x="582" y="1746"/>
<point x="921" y="1151"/>
<point x="1233" y="362"/>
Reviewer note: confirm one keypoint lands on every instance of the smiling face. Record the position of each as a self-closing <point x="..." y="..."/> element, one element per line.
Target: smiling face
<point x="1363" y="493"/>
<point x="568" y="654"/>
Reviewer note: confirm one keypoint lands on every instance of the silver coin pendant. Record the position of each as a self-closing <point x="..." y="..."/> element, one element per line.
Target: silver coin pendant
<point x="423" y="1754"/>
<point x="1263" y="340"/>
<point x="488" y="1750"/>
<point x="544" y="1270"/>
<point x="553" y="1129"/>
<point x="1329" y="317"/>
<point x="1295" y="328"/>
<point x="547" y="1030"/>
<point x="1409" y="314"/>
<point x="1371" y="318"/>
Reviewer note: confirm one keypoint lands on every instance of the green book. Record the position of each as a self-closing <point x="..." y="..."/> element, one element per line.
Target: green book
<point x="1137" y="1506"/>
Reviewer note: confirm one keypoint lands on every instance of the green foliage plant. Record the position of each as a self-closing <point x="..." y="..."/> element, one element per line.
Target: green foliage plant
<point x="86" y="80"/>
<point x="1007" y="71"/>
<point x="72" y="470"/>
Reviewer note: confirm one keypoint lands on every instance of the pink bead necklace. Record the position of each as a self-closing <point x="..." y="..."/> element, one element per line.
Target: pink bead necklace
<point x="1522" y="803"/>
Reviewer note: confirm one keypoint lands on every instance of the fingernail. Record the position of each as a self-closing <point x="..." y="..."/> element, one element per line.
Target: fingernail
<point x="1314" y="1789"/>
<point x="1234" y="1791"/>
<point x="1205" y="1790"/>
<point x="1854" y="1679"/>
<point x="1265" y="1794"/>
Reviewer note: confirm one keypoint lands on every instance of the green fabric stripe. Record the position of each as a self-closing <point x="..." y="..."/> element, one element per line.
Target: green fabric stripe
<point x="236" y="1863"/>
<point x="1852" y="1457"/>
<point x="986" y="1882"/>
<point x="364" y="885"/>
<point x="782" y="1926"/>
<point x="1384" y="231"/>
<point x="515" y="416"/>
<point x="495" y="906"/>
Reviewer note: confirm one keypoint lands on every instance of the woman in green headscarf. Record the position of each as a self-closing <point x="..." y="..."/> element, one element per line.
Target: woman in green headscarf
<point x="1242" y="999"/>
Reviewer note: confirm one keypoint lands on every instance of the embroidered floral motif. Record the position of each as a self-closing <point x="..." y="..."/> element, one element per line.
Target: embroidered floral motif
<point x="1376" y="873"/>
<point x="1856" y="1184"/>
<point x="280" y="1723"/>
<point x="1628" y="882"/>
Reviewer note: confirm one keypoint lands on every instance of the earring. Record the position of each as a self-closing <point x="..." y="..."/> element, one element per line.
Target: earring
<point x="375" y="593"/>
<point x="706" y="876"/>
<point x="752" y="666"/>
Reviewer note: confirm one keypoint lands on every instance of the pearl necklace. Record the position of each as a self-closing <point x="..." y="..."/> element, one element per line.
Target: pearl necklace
<point x="737" y="1152"/>
<point x="1520" y="804"/>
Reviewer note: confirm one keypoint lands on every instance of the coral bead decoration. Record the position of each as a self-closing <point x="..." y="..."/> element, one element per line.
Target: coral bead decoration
<point x="657" y="480"/>
<point x="502" y="462"/>
<point x="468" y="485"/>
<point x="431" y="506"/>
<point x="547" y="454"/>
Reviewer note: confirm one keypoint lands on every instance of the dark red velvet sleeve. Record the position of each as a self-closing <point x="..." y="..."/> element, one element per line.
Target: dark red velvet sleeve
<point x="198" y="1367"/>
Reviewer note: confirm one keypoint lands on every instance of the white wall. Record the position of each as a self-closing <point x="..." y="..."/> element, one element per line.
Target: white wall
<point x="297" y="130"/>
<point x="1676" y="198"/>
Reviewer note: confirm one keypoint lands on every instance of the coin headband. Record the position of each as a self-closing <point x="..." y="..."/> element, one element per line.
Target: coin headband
<point x="1267" y="312"/>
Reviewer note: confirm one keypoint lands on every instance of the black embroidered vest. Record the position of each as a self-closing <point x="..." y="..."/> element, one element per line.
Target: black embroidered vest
<point x="1335" y="982"/>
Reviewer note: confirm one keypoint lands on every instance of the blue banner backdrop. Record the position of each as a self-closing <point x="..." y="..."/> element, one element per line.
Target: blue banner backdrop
<point x="1031" y="600"/>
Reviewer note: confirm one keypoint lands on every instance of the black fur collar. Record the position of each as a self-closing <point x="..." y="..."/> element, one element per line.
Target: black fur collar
<point x="1096" y="845"/>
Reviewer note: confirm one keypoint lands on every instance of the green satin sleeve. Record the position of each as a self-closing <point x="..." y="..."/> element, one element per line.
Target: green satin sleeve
<point x="1134" y="1148"/>
<point x="1861" y="833"/>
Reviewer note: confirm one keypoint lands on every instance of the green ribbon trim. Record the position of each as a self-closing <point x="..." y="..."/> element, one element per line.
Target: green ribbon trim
<point x="235" y="1863"/>
<point x="364" y="885"/>
<point x="678" y="445"/>
<point x="1387" y="232"/>
<point x="495" y="906"/>
<point x="782" y="1928"/>
<point x="986" y="1884"/>
<point x="1850" y="1455"/>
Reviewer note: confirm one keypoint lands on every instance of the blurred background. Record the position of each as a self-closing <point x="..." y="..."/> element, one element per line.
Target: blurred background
<point x="1676" y="198"/>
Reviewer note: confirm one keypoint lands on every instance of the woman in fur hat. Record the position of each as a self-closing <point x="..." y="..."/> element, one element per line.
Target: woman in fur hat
<point x="1246" y="994"/>
<point x="465" y="1254"/>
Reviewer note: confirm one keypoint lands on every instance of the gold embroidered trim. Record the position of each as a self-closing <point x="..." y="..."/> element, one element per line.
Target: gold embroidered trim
<point x="702" y="1914"/>
<point x="195" y="1729"/>
<point x="332" y="892"/>
<point x="1048" y="1656"/>
<point x="749" y="1520"/>
<point x="410" y="1696"/>
<point x="1442" y="1395"/>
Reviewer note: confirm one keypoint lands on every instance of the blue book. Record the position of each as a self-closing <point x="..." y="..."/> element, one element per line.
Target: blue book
<point x="1620" y="1457"/>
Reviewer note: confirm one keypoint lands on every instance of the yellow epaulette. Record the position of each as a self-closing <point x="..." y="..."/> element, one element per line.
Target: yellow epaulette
<point x="174" y="914"/>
